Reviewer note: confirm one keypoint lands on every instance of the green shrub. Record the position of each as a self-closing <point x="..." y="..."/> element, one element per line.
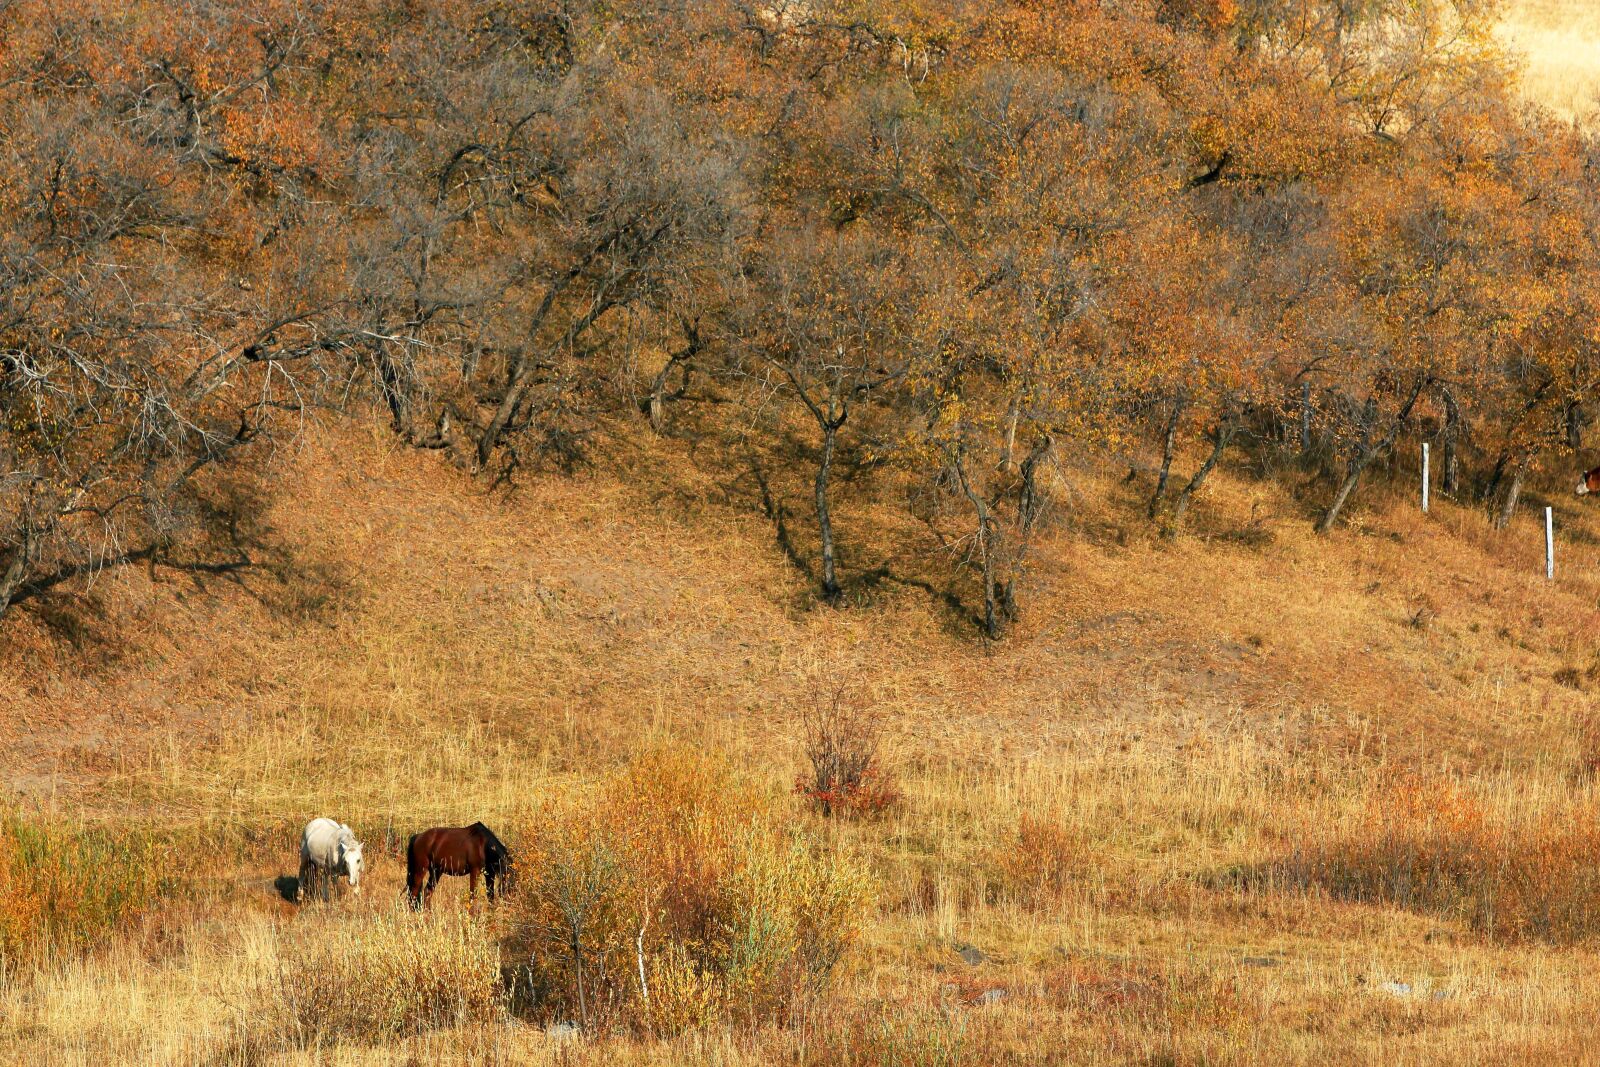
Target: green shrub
<point x="65" y="887"/>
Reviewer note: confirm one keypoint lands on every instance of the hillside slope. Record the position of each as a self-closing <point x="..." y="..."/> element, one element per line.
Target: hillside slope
<point x="574" y="611"/>
<point x="1179" y="709"/>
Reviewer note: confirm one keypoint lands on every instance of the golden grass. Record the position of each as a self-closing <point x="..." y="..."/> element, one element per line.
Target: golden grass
<point x="1558" y="43"/>
<point x="1108" y="805"/>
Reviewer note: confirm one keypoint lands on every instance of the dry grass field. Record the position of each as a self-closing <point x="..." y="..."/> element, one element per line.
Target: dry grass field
<point x="1246" y="797"/>
<point x="1559" y="41"/>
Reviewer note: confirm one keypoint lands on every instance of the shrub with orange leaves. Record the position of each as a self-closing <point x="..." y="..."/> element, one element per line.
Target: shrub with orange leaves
<point x="678" y="897"/>
<point x="1039" y="864"/>
<point x="64" y="887"/>
<point x="1430" y="845"/>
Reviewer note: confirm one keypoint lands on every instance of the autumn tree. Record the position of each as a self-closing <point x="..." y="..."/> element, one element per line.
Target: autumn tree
<point x="1041" y="192"/>
<point x="955" y="246"/>
<point x="826" y="327"/>
<point x="147" y="332"/>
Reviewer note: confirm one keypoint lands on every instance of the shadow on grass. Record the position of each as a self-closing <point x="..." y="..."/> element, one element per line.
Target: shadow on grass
<point x="1533" y="883"/>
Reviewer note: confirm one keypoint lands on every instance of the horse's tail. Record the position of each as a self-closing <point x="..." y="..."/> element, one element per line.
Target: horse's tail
<point x="415" y="873"/>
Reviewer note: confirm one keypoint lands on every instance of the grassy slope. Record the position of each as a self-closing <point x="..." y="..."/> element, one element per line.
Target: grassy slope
<point x="1181" y="708"/>
<point x="1560" y="42"/>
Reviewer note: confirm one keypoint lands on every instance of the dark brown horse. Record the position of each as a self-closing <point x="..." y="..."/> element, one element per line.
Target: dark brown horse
<point x="456" y="850"/>
<point x="1590" y="482"/>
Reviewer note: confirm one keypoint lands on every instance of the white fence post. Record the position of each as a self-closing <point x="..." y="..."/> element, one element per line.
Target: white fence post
<point x="1424" y="477"/>
<point x="1549" y="545"/>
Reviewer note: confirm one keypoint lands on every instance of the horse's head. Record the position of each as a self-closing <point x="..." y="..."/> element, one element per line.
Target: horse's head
<point x="1589" y="483"/>
<point x="508" y="873"/>
<point x="350" y="856"/>
<point x="497" y="860"/>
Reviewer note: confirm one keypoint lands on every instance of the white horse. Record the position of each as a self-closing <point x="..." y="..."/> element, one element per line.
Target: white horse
<point x="327" y="850"/>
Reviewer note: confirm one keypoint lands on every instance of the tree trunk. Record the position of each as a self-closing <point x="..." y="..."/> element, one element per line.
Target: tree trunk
<point x="1369" y="452"/>
<point x="524" y="369"/>
<point x="1012" y="419"/>
<point x="489" y="439"/>
<point x="1305" y="417"/>
<point x="1492" y="484"/>
<point x="16" y="571"/>
<point x="658" y="388"/>
<point x="830" y="581"/>
<point x="1358" y="464"/>
<point x="1452" y="434"/>
<point x="658" y="394"/>
<point x="1030" y="505"/>
<point x="1508" y="506"/>
<point x="1168" y="436"/>
<point x="992" y="626"/>
<point x="1220" y="439"/>
<point x="393" y="393"/>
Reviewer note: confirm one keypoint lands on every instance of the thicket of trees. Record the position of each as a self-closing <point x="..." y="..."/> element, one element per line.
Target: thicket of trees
<point x="968" y="238"/>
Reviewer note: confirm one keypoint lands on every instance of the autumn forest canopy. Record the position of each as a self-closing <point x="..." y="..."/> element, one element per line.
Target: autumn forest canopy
<point x="952" y="245"/>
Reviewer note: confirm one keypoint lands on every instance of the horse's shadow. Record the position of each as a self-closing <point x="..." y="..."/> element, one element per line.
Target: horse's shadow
<point x="287" y="886"/>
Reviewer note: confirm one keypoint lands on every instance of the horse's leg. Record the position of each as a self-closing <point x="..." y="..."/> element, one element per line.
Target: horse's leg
<point x="416" y="877"/>
<point x="488" y="884"/>
<point x="300" y="883"/>
<point x="433" y="881"/>
<point x="472" y="887"/>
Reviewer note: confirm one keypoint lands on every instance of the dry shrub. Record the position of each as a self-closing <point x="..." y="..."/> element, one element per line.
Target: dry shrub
<point x="684" y="995"/>
<point x="677" y="898"/>
<point x="891" y="1035"/>
<point x="68" y="887"/>
<point x="841" y="743"/>
<point x="1144" y="997"/>
<point x="1570" y="677"/>
<point x="1040" y="863"/>
<point x="1429" y="845"/>
<point x="367" y="977"/>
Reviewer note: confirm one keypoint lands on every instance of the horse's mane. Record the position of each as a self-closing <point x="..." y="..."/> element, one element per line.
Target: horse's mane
<point x="493" y="847"/>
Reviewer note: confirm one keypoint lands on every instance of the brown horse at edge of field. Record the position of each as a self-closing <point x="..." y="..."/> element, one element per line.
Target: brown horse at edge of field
<point x="456" y="850"/>
<point x="1590" y="482"/>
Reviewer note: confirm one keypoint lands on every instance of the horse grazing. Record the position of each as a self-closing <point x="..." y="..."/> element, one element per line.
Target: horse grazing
<point x="1590" y="482"/>
<point x="456" y="850"/>
<point x="327" y="850"/>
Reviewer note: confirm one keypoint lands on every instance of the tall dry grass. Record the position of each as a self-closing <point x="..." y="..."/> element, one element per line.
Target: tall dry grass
<point x="1558" y="43"/>
<point x="1136" y="953"/>
<point x="373" y="977"/>
<point x="1438" y="846"/>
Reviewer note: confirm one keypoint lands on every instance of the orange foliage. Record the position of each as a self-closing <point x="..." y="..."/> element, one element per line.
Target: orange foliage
<point x="1428" y="843"/>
